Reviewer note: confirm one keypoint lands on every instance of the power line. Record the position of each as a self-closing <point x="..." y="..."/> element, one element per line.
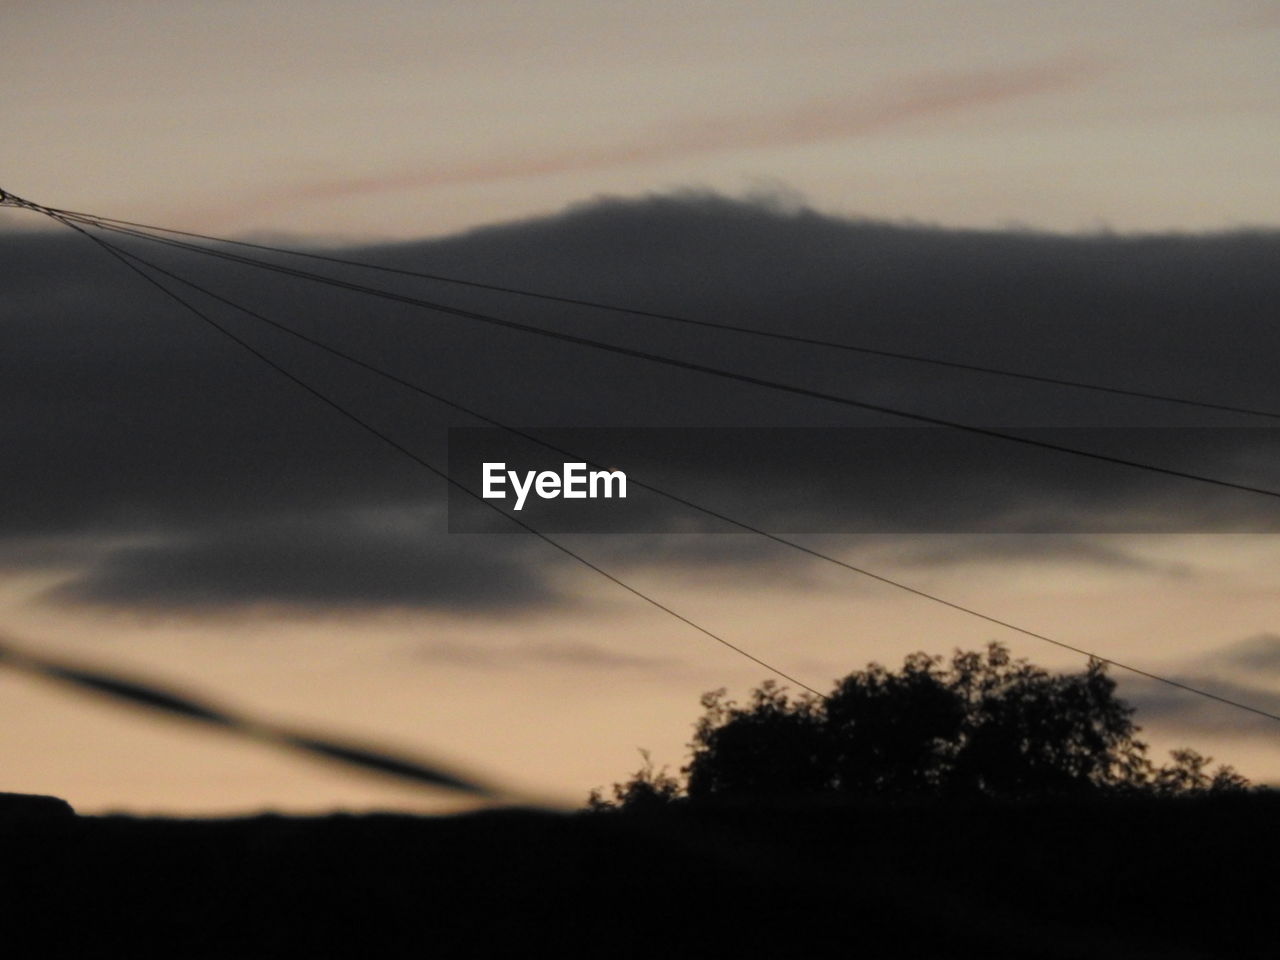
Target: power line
<point x="151" y="696"/>
<point x="365" y="425"/>
<point x="692" y="321"/>
<point x="693" y="366"/>
<point x="671" y="496"/>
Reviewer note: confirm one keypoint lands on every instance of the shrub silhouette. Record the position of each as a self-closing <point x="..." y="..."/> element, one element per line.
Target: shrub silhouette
<point x="648" y="789"/>
<point x="981" y="724"/>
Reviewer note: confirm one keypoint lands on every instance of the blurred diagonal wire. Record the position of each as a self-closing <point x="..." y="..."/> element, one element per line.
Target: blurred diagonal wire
<point x="150" y="696"/>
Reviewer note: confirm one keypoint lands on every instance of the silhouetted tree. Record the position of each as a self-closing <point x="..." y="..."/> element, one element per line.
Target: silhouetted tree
<point x="1188" y="774"/>
<point x="895" y="733"/>
<point x="774" y="745"/>
<point x="646" y="790"/>
<point x="1027" y="732"/>
<point x="982" y="724"/>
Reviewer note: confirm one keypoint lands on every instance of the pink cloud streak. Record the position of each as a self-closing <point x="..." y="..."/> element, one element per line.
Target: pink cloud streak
<point x="827" y="119"/>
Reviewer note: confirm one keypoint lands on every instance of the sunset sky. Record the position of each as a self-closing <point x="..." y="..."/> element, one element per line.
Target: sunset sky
<point x="1082" y="190"/>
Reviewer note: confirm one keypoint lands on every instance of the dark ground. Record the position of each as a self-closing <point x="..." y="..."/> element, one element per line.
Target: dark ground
<point x="1137" y="878"/>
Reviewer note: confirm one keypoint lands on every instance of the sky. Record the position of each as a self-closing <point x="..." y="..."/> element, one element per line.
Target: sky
<point x="1084" y="191"/>
<point x="403" y="119"/>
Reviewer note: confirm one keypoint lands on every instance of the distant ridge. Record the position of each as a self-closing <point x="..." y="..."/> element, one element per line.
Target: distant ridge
<point x="33" y="806"/>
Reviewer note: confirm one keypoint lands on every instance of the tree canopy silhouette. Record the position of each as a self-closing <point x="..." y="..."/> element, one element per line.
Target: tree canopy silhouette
<point x="980" y="724"/>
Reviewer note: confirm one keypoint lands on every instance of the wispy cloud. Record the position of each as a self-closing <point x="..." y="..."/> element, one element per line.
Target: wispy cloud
<point x="1033" y="548"/>
<point x="1243" y="671"/>
<point x="571" y="653"/>
<point x="1259" y="654"/>
<point x="830" y="118"/>
<point x="1199" y="715"/>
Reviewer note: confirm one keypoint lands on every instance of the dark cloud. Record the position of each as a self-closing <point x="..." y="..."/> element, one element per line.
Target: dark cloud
<point x="313" y="562"/>
<point x="126" y="421"/>
<point x="1243" y="671"/>
<point x="1259" y="654"/>
<point x="20" y="554"/>
<point x="1179" y="710"/>
<point x="1032" y="549"/>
